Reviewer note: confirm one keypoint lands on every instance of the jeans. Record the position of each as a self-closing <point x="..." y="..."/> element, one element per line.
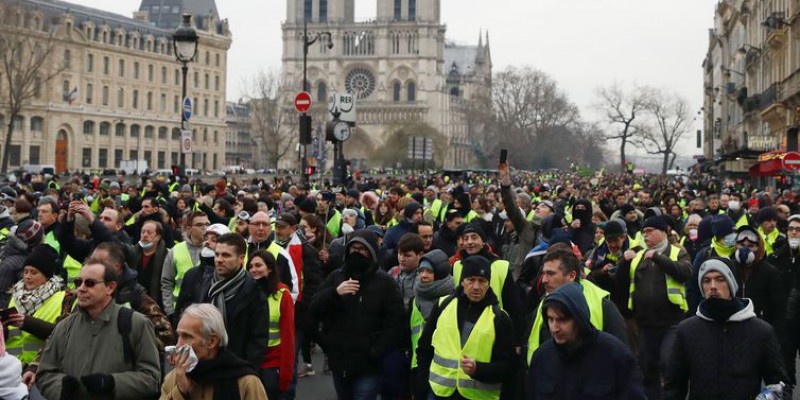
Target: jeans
<point x="360" y="388"/>
<point x="654" y="352"/>
<point x="395" y="379"/>
<point x="271" y="380"/>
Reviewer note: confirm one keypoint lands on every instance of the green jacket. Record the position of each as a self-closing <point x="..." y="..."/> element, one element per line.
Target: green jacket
<point x="74" y="349"/>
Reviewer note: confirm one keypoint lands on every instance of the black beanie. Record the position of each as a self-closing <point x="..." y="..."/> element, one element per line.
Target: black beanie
<point x="44" y="258"/>
<point x="767" y="214"/>
<point x="474" y="227"/>
<point x="614" y="228"/>
<point x="476" y="266"/>
<point x="308" y="205"/>
<point x="625" y="209"/>
<point x="656" y="222"/>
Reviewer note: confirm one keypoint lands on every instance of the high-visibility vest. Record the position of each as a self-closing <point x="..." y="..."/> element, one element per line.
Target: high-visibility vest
<point x="417" y="324"/>
<point x="436" y="208"/>
<point x="4" y="233"/>
<point x="676" y="292"/>
<point x="446" y="375"/>
<point x="71" y="265"/>
<point x="182" y="260"/>
<point x="742" y="221"/>
<point x="275" y="317"/>
<point x="499" y="270"/>
<point x="273" y="249"/>
<point x="531" y="215"/>
<point x="443" y="212"/>
<point x="594" y="298"/>
<point x="24" y="345"/>
<point x="769" y="239"/>
<point x="334" y="225"/>
<point x="470" y="216"/>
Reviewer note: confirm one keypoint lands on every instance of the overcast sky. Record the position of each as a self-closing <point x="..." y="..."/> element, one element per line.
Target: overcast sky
<point x="582" y="44"/>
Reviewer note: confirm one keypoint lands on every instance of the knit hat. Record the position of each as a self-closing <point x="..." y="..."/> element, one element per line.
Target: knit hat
<point x="186" y="188"/>
<point x="307" y="205"/>
<point x="614" y="228"/>
<point x="476" y="266"/>
<point x="625" y="209"/>
<point x="114" y="185"/>
<point x="353" y="193"/>
<point x="411" y="208"/>
<point x="463" y="199"/>
<point x="44" y="258"/>
<point x="656" y="222"/>
<point x="330" y="197"/>
<point x="752" y="203"/>
<point x="722" y="225"/>
<point x="722" y="265"/>
<point x="30" y="231"/>
<point x="376" y="230"/>
<point x="474" y="227"/>
<point x="436" y="261"/>
<point x="652" y="211"/>
<point x="767" y="214"/>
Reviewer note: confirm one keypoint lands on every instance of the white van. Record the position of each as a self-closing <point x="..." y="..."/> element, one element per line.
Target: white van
<point x="46" y="169"/>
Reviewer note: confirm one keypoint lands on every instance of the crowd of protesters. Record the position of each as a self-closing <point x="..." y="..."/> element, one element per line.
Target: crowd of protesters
<point x="510" y="285"/>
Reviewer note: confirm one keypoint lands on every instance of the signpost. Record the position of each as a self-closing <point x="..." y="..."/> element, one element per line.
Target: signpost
<point x="186" y="142"/>
<point x="188" y="106"/>
<point x="302" y="102"/>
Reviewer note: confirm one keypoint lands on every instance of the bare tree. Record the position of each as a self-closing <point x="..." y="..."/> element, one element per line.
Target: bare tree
<point x="623" y="111"/>
<point x="269" y="110"/>
<point x="27" y="62"/>
<point x="670" y="118"/>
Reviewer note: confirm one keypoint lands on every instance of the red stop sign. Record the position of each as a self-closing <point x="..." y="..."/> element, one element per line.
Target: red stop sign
<point x="302" y="102"/>
<point x="791" y="161"/>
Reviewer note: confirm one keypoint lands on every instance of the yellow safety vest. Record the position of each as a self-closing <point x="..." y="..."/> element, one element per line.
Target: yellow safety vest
<point x="273" y="249"/>
<point x="470" y="216"/>
<point x="499" y="270"/>
<point x="182" y="260"/>
<point x="417" y="324"/>
<point x="334" y="225"/>
<point x="71" y="265"/>
<point x="769" y="239"/>
<point x="743" y="221"/>
<point x="275" y="317"/>
<point x="594" y="298"/>
<point x="22" y="344"/>
<point x="436" y="208"/>
<point x="676" y="292"/>
<point x="446" y="375"/>
<point x="531" y="215"/>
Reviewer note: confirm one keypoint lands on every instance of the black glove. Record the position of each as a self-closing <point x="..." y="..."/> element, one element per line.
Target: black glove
<point x="69" y="387"/>
<point x="98" y="383"/>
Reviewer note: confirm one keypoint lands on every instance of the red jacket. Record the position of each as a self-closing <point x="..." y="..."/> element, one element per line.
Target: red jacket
<point x="282" y="356"/>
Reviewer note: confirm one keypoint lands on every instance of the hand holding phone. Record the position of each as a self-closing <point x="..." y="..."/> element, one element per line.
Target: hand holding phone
<point x="7" y="313"/>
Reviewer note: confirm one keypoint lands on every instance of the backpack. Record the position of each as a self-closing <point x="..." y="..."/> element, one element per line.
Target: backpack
<point x="124" y="326"/>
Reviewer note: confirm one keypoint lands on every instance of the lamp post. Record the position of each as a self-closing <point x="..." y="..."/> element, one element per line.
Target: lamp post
<point x="184" y="42"/>
<point x="305" y="119"/>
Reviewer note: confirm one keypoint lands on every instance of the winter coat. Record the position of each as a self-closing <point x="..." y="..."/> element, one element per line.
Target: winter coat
<point x="393" y="235"/>
<point x="446" y="241"/>
<point x="528" y="231"/>
<point x="153" y="284"/>
<point x="714" y="360"/>
<point x="600" y="366"/>
<point x="13" y="259"/>
<point x="763" y="286"/>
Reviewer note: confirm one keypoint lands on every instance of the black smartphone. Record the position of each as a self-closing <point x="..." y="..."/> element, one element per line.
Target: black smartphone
<point x="77" y="196"/>
<point x="503" y="156"/>
<point x="8" y="312"/>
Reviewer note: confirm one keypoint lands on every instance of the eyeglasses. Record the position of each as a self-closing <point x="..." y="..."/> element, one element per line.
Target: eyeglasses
<point x="90" y="283"/>
<point x="794" y="229"/>
<point x="202" y="225"/>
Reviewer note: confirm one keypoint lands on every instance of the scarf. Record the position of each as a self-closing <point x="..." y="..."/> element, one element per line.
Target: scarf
<point x="429" y="293"/>
<point x="721" y="310"/>
<point x="661" y="247"/>
<point x="223" y="290"/>
<point x="28" y="301"/>
<point x="721" y="249"/>
<point x="223" y="372"/>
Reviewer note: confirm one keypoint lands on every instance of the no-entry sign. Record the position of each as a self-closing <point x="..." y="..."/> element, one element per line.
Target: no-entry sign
<point x="791" y="161"/>
<point x="302" y="102"/>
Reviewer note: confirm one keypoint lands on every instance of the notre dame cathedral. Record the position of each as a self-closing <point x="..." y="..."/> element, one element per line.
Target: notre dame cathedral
<point x="399" y="66"/>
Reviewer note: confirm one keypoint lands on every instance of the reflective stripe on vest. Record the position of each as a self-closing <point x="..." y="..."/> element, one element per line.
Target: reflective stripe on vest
<point x="275" y="317"/>
<point x="446" y="375"/>
<point x="676" y="292"/>
<point x="594" y="298"/>
<point x="182" y="260"/>
<point x="499" y="274"/>
<point x="24" y="345"/>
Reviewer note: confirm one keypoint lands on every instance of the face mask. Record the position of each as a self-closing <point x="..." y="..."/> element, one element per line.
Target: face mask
<point x="744" y="256"/>
<point x="358" y="263"/>
<point x="146" y="246"/>
<point x="733" y="205"/>
<point x="347" y="229"/>
<point x="693" y="234"/>
<point x="794" y="243"/>
<point x="729" y="239"/>
<point x="206" y="253"/>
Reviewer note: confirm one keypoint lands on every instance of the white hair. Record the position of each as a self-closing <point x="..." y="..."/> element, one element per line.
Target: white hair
<point x="211" y="319"/>
<point x="350" y="213"/>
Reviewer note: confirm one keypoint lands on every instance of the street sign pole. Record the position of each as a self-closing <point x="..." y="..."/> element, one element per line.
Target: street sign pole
<point x="302" y="103"/>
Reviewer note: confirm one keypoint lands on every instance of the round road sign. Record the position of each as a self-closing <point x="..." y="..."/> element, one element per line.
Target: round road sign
<point x="791" y="161"/>
<point x="302" y="102"/>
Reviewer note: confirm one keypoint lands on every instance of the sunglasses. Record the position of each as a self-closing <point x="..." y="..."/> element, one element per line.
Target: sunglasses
<point x="90" y="283"/>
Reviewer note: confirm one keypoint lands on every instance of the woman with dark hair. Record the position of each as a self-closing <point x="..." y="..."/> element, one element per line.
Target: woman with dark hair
<point x="277" y="369"/>
<point x="383" y="215"/>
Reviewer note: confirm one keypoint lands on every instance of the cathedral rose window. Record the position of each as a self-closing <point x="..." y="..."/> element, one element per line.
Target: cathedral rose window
<point x="360" y="82"/>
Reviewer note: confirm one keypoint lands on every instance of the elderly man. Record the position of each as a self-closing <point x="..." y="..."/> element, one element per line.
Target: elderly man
<point x="104" y="350"/>
<point x="217" y="370"/>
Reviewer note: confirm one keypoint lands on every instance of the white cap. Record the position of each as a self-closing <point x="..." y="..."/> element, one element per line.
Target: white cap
<point x="219" y="229"/>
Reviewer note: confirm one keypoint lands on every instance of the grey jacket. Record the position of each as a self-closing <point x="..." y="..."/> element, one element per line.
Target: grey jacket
<point x="528" y="231"/>
<point x="80" y="346"/>
<point x="168" y="271"/>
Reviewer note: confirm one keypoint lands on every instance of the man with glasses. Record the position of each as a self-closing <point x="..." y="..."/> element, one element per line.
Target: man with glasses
<point x="181" y="258"/>
<point x="260" y="228"/>
<point x="88" y="357"/>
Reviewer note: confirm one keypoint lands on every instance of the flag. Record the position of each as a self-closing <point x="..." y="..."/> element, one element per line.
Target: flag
<point x="71" y="96"/>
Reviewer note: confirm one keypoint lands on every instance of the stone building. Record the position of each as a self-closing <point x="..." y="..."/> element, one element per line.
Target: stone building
<point x="118" y="96"/>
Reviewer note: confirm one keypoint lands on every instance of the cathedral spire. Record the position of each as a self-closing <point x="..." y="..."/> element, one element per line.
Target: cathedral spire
<point x="480" y="38"/>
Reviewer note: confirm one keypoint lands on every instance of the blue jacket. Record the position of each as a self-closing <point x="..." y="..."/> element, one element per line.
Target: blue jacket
<point x="598" y="366"/>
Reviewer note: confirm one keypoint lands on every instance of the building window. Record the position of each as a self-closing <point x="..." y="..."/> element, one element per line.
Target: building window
<point x="89" y="93"/>
<point x="208" y="82"/>
<point x="208" y="58"/>
<point x="135" y="131"/>
<point x="308" y="10"/>
<point x="149" y="101"/>
<point x="119" y="129"/>
<point x="215" y="162"/>
<point x="133" y="155"/>
<point x="150" y="73"/>
<point x="412" y="92"/>
<point x="322" y="92"/>
<point x="205" y="107"/>
<point x="105" y="128"/>
<point x="396" y="89"/>
<point x="196" y="79"/>
<point x="136" y="70"/>
<point x="163" y="75"/>
<point x="148" y="157"/>
<point x="87" y="157"/>
<point x="216" y="83"/>
<point x="148" y="132"/>
<point x="37" y="87"/>
<point x="15" y="154"/>
<point x="395" y="39"/>
<point x="105" y="95"/>
<point x="34" y="154"/>
<point x="106" y="65"/>
<point x="216" y="108"/>
<point x="412" y="10"/>
<point x="36" y="125"/>
<point x="90" y="62"/>
<point x="162" y="159"/>
<point x="67" y="59"/>
<point x="173" y="157"/>
<point x="121" y="68"/>
<point x="102" y="158"/>
<point x="454" y="92"/>
<point x="88" y="127"/>
<point x="162" y="133"/>
<point x="398" y="9"/>
<point x="163" y="104"/>
<point x="176" y="134"/>
<point x="117" y="157"/>
<point x="216" y="136"/>
<point x="323" y="10"/>
<point x="177" y="76"/>
<point x="216" y="57"/>
<point x="135" y="102"/>
<point x="176" y="104"/>
<point x="121" y="98"/>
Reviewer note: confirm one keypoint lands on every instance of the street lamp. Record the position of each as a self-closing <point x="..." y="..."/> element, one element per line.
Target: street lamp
<point x="305" y="120"/>
<point x="184" y="42"/>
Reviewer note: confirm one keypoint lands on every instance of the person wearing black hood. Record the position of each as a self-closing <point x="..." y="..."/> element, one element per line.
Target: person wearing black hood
<point x="446" y="238"/>
<point x="582" y="229"/>
<point x="462" y="203"/>
<point x="362" y="317"/>
<point x="725" y="351"/>
<point x="580" y="362"/>
<point x="466" y="350"/>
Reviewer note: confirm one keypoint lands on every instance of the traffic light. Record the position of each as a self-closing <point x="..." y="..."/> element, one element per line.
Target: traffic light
<point x="310" y="170"/>
<point x="177" y="170"/>
<point x="305" y="129"/>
